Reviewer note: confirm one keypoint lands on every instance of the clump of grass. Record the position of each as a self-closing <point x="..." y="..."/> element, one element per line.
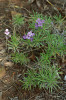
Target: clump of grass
<point x="20" y="58"/>
<point x="18" y="20"/>
<point x="39" y="36"/>
<point x="46" y="77"/>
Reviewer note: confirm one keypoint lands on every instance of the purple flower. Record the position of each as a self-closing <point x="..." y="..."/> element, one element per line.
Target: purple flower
<point x="24" y="37"/>
<point x="36" y="25"/>
<point x="39" y="23"/>
<point x="31" y="39"/>
<point x="38" y="20"/>
<point x="52" y="23"/>
<point x="29" y="36"/>
<point x="64" y="43"/>
<point x="42" y="21"/>
<point x="7" y="32"/>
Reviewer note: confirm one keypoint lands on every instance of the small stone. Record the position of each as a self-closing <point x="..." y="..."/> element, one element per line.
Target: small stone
<point x="8" y="64"/>
<point x="65" y="78"/>
<point x="15" y="98"/>
<point x="0" y="59"/>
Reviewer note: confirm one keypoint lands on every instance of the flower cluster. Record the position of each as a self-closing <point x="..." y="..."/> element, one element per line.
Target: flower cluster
<point x="29" y="36"/>
<point x="39" y="23"/>
<point x="7" y="32"/>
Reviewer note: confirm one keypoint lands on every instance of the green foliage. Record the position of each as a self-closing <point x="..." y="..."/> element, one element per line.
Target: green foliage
<point x="18" y="20"/>
<point x="46" y="77"/>
<point x="38" y="40"/>
<point x="55" y="43"/>
<point x="45" y="59"/>
<point x="46" y="26"/>
<point x="14" y="43"/>
<point x="33" y="19"/>
<point x="55" y="46"/>
<point x="58" y="19"/>
<point x="40" y="33"/>
<point x="20" y="58"/>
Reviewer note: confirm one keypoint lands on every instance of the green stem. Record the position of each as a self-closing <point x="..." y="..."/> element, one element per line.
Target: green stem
<point x="14" y="31"/>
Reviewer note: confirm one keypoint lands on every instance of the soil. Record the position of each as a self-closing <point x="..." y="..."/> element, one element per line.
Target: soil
<point x="10" y="73"/>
